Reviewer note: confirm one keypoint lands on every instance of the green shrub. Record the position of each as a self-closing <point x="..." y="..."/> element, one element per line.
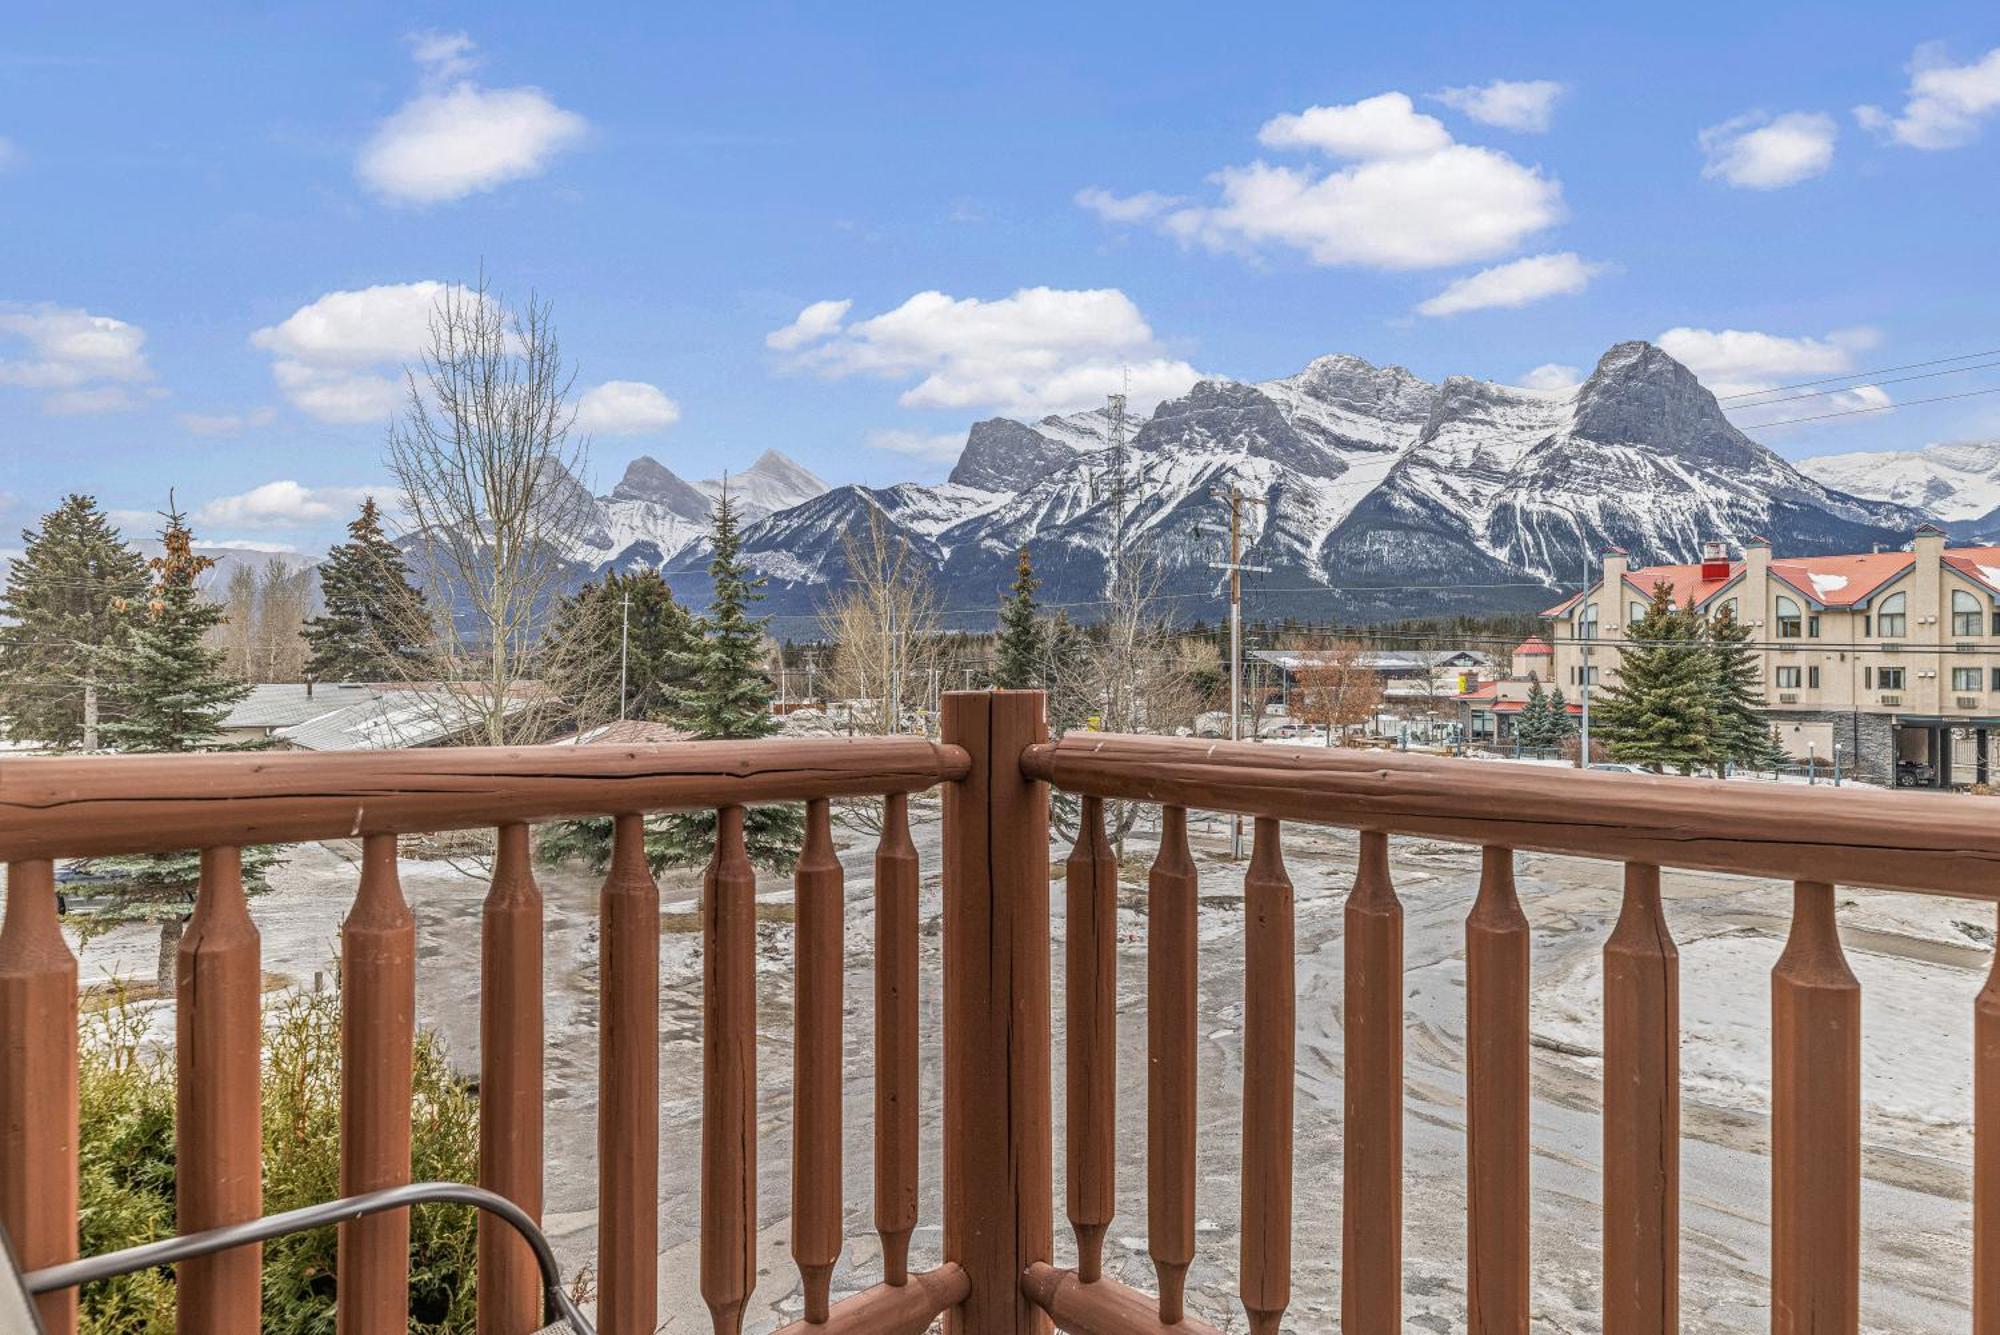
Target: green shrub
<point x="127" y="1155"/>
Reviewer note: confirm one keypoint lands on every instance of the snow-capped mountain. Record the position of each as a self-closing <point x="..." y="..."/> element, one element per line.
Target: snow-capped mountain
<point x="1958" y="480"/>
<point x="653" y="513"/>
<point x="1374" y="494"/>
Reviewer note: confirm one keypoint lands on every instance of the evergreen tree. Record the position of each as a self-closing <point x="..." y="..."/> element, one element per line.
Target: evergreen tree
<point x="1561" y="725"/>
<point x="1742" y="733"/>
<point x="69" y="602"/>
<point x="1018" y="656"/>
<point x="172" y="695"/>
<point x="375" y="625"/>
<point x="1661" y="714"/>
<point x="1533" y="728"/>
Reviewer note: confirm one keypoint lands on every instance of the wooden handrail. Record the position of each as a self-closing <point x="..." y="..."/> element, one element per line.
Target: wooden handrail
<point x="88" y="806"/>
<point x="1926" y="842"/>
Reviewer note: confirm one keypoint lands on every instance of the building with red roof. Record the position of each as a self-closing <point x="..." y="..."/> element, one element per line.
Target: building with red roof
<point x="1891" y="656"/>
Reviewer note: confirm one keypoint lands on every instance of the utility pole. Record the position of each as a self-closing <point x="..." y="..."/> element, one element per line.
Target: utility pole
<point x="624" y="647"/>
<point x="1237" y="500"/>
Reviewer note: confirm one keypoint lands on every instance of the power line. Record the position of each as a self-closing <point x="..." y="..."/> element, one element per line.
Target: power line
<point x="1866" y="384"/>
<point x="1878" y="408"/>
<point x="1851" y="375"/>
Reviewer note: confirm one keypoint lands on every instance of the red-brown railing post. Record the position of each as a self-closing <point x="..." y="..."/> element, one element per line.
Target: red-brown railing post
<point x="1172" y="988"/>
<point x="998" y="1153"/>
<point x="818" y="946"/>
<point x="1090" y="1036"/>
<point x="729" y="1076"/>
<point x="510" y="1084"/>
<point x="1371" y="1231"/>
<point x="1642" y="1115"/>
<point x="1270" y="1044"/>
<point x="38" y="1083"/>
<point x="628" y="1084"/>
<point x="1986" y="1155"/>
<point x="1496" y="1117"/>
<point x="378" y="1004"/>
<point x="896" y="1049"/>
<point x="1815" y="1126"/>
<point x="218" y="1124"/>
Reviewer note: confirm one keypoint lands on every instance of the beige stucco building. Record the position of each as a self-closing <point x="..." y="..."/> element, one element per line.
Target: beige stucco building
<point x="1891" y="656"/>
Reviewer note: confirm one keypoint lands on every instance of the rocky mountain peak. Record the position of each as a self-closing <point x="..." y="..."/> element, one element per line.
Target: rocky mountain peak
<point x="1638" y="395"/>
<point x="1360" y="386"/>
<point x="1002" y="454"/>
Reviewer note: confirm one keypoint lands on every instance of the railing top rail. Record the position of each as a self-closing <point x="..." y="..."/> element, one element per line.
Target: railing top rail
<point x="89" y="806"/>
<point x="1931" y="843"/>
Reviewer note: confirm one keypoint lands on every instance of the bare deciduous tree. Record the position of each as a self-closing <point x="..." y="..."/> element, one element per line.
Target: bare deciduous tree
<point x="886" y="631"/>
<point x="488" y="464"/>
<point x="1337" y="687"/>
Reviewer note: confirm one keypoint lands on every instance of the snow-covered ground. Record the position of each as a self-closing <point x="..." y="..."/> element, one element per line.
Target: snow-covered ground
<point x="1920" y="961"/>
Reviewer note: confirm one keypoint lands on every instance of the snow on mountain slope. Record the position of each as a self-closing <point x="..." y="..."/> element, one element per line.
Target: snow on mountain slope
<point x="1957" y="480"/>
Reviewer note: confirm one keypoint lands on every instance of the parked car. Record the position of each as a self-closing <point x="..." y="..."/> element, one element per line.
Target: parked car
<point x="1915" y="774"/>
<point x="1618" y="767"/>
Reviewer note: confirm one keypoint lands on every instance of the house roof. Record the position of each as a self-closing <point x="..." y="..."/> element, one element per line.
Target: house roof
<point x="1533" y="646"/>
<point x="1828" y="581"/>
<point x="1381" y="660"/>
<point x="626" y="732"/>
<point x="284" y="704"/>
<point x="395" y="718"/>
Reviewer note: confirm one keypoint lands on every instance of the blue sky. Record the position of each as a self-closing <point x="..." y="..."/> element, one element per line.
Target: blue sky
<point x="1178" y="189"/>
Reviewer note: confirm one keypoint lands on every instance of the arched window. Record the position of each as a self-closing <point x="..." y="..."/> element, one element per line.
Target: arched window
<point x="1728" y="608"/>
<point x="1967" y="618"/>
<point x="1637" y="612"/>
<point x="1586" y="622"/>
<point x="1790" y="624"/>
<point x="1892" y="617"/>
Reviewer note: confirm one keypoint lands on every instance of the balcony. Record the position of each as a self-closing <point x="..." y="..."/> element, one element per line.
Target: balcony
<point x="999" y="1266"/>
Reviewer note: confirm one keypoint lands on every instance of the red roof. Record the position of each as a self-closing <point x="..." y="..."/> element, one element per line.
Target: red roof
<point x="1831" y="581"/>
<point x="1533" y="646"/>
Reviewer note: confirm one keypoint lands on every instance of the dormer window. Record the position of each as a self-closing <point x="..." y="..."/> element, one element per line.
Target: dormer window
<point x="1791" y="624"/>
<point x="1892" y="618"/>
<point x="1967" y="617"/>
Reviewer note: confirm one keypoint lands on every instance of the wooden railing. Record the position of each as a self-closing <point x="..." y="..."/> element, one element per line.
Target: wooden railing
<point x="996" y="768"/>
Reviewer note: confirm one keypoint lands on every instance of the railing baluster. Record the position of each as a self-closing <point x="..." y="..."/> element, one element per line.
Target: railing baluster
<point x="1371" y="1231"/>
<point x="1642" y="1114"/>
<point x="896" y="878"/>
<point x="1171" y="989"/>
<point x="38" y="1110"/>
<point x="729" y="1076"/>
<point x="817" y="1011"/>
<point x="378" y="1003"/>
<point x="1090" y="999"/>
<point x="1986" y="1154"/>
<point x="218" y="1139"/>
<point x="1815" y="1126"/>
<point x="1270" y="1030"/>
<point x="628" y="1082"/>
<point x="1496" y="1121"/>
<point x="510" y="1083"/>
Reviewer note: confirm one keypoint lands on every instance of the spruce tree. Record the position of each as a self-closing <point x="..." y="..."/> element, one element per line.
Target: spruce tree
<point x="1742" y="733"/>
<point x="1561" y="726"/>
<point x="69" y="601"/>
<point x="1018" y="656"/>
<point x="375" y="625"/>
<point x="1661" y="714"/>
<point x="1532" y="727"/>
<point x="172" y="695"/>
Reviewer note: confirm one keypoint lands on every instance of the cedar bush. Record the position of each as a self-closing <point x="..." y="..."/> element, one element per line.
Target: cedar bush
<point x="126" y="1153"/>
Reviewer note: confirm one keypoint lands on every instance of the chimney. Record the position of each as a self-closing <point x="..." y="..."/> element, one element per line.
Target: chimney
<point x="1714" y="561"/>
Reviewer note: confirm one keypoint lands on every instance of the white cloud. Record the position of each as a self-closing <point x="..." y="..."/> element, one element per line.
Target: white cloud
<point x="1411" y="198"/>
<point x="281" y="504"/>
<point x="455" y="138"/>
<point x="940" y="447"/>
<point x="1384" y="126"/>
<point x="1553" y="376"/>
<point x="86" y="363"/>
<point x="1763" y="152"/>
<point x="227" y="424"/>
<point x="814" y="323"/>
<point x="1946" y="103"/>
<point x="625" y="408"/>
<point x="1747" y="366"/>
<point x="1527" y="105"/>
<point x="339" y="358"/>
<point x="1517" y="283"/>
<point x="1041" y="350"/>
<point x="1142" y="207"/>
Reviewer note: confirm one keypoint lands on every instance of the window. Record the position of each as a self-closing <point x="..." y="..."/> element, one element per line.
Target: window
<point x="1996" y="680"/>
<point x="1965" y="679"/>
<point x="1788" y="678"/>
<point x="1812" y="677"/>
<point x="1892" y="620"/>
<point x="1868" y="678"/>
<point x="1967" y="619"/>
<point x="1728" y="609"/>
<point x="1789" y="621"/>
<point x="1812" y="626"/>
<point x="1586" y="622"/>
<point x="1889" y="679"/>
<point x="1637" y="612"/>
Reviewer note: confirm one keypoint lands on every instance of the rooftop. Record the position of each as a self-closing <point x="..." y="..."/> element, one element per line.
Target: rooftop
<point x="1842" y="581"/>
